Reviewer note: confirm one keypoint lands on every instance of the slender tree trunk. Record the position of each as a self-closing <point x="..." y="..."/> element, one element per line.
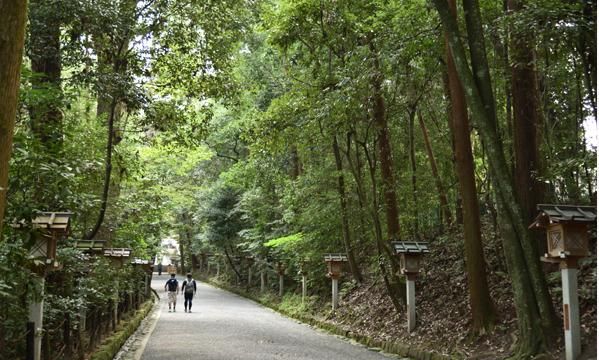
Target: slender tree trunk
<point x="481" y="306"/>
<point x="459" y="219"/>
<point x="353" y="264"/>
<point x="182" y="250"/>
<point x="45" y="54"/>
<point x="438" y="182"/>
<point x="13" y="15"/>
<point x="536" y="318"/>
<point x="526" y="120"/>
<point x="384" y="149"/>
<point x="411" y="116"/>
<point x="483" y="83"/>
<point x="396" y="293"/>
<point x="107" y="172"/>
<point x="231" y="264"/>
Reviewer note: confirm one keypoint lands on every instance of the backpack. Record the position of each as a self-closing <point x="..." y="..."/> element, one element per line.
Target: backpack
<point x="172" y="284"/>
<point x="189" y="288"/>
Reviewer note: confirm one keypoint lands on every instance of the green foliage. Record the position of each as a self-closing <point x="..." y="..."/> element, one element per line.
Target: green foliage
<point x="285" y="242"/>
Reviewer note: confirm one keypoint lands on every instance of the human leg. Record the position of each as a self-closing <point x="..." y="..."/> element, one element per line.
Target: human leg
<point x="188" y="298"/>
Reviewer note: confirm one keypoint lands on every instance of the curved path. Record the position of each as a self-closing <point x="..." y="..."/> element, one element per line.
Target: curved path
<point x="224" y="326"/>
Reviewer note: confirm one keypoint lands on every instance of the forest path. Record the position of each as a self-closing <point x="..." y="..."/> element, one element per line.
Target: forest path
<point x="224" y="326"/>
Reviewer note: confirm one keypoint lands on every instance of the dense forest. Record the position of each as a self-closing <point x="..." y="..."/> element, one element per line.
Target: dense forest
<point x="280" y="130"/>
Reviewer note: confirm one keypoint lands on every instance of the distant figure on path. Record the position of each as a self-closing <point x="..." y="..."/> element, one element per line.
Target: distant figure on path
<point x="189" y="289"/>
<point x="172" y="286"/>
<point x="159" y="269"/>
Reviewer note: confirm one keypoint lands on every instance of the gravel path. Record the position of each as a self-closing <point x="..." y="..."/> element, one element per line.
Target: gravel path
<point x="224" y="326"/>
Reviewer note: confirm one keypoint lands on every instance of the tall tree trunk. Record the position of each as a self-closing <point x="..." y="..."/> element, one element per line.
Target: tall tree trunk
<point x="353" y="264"/>
<point x="459" y="219"/>
<point x="384" y="149"/>
<point x="587" y="47"/>
<point x="536" y="318"/>
<point x="396" y="293"/>
<point x="482" y="311"/>
<point x="438" y="182"/>
<point x="107" y="172"/>
<point x="13" y="15"/>
<point x="45" y="54"/>
<point x="411" y="116"/>
<point x="526" y="119"/>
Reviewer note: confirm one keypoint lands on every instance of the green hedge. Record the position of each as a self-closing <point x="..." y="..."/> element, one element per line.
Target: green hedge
<point x="111" y="345"/>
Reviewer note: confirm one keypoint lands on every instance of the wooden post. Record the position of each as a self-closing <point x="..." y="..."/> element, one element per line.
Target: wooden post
<point x="35" y="325"/>
<point x="281" y="285"/>
<point x="250" y="276"/>
<point x="304" y="288"/>
<point x="262" y="281"/>
<point x="335" y="300"/>
<point x="411" y="297"/>
<point x="217" y="268"/>
<point x="208" y="268"/>
<point x="571" y="310"/>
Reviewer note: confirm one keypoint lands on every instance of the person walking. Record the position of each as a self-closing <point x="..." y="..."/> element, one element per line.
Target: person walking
<point x="189" y="289"/>
<point x="172" y="287"/>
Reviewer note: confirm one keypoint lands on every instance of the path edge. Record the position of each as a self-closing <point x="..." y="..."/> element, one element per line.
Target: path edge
<point x="394" y="348"/>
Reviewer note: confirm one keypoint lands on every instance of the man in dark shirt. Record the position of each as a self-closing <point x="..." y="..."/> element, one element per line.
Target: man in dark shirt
<point x="172" y="286"/>
<point x="189" y="289"/>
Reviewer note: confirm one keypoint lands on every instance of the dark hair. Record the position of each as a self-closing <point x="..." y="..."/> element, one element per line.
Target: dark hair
<point x="173" y="275"/>
<point x="188" y="274"/>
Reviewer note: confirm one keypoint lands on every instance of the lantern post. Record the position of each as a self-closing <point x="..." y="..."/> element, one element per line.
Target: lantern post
<point x="50" y="227"/>
<point x="566" y="228"/>
<point x="410" y="253"/>
<point x="263" y="264"/>
<point x="281" y="272"/>
<point x="250" y="263"/>
<point x="335" y="271"/>
<point x="302" y="271"/>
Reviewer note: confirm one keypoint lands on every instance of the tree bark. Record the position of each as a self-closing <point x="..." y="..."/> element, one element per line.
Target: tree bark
<point x="526" y="120"/>
<point x="536" y="318"/>
<point x="384" y="149"/>
<point x="45" y="55"/>
<point x="353" y="264"/>
<point x="13" y="15"/>
<point x="107" y="172"/>
<point x="438" y="182"/>
<point x="481" y="306"/>
<point x="411" y="116"/>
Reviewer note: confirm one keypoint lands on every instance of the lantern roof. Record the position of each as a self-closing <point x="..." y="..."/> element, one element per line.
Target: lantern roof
<point x="90" y="245"/>
<point x="54" y="221"/>
<point x="410" y="247"/>
<point x="138" y="261"/>
<point x="551" y="213"/>
<point x="335" y="257"/>
<point x="117" y="252"/>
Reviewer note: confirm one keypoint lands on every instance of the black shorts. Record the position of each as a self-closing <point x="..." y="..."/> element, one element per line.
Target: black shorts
<point x="188" y="296"/>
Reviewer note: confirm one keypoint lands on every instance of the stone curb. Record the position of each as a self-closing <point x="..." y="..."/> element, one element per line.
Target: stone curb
<point x="111" y="345"/>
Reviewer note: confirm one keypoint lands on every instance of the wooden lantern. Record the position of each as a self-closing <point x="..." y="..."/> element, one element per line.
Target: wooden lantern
<point x="90" y="247"/>
<point x="117" y="256"/>
<point x="566" y="227"/>
<point x="335" y="264"/>
<point x="144" y="264"/>
<point x="52" y="227"/>
<point x="410" y="253"/>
